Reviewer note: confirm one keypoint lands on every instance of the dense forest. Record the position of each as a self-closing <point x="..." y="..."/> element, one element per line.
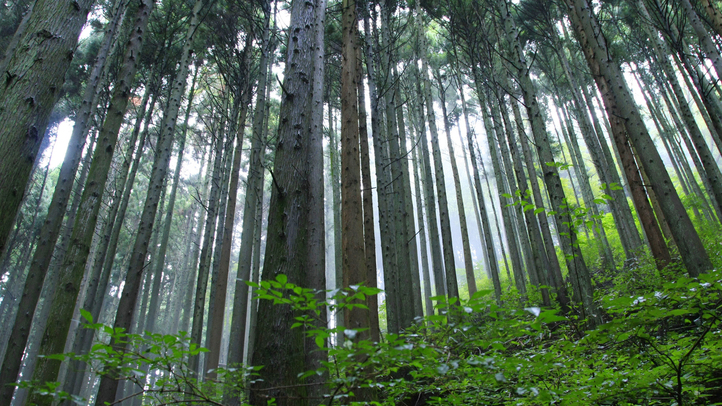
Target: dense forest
<point x="306" y="202"/>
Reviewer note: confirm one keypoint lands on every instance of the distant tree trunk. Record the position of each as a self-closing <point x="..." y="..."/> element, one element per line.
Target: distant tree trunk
<point x="254" y="186"/>
<point x="493" y="264"/>
<point x="495" y="130"/>
<point x="540" y="255"/>
<point x="468" y="263"/>
<point x="109" y="383"/>
<point x="600" y="235"/>
<point x="33" y="78"/>
<point x="169" y="211"/>
<point x="578" y="271"/>
<point x="416" y="161"/>
<point x="523" y="234"/>
<point x="206" y="250"/>
<point x="372" y="301"/>
<point x="452" y="286"/>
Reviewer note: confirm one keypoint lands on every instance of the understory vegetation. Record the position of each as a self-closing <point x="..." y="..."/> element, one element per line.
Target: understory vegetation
<point x="660" y="344"/>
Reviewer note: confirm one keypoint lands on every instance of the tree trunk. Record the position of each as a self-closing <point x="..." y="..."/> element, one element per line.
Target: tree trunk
<point x="254" y="186"/>
<point x="383" y="185"/>
<point x="607" y="71"/>
<point x="452" y="287"/>
<point x="372" y="301"/>
<point x="354" y="258"/>
<point x="493" y="265"/>
<point x="468" y="263"/>
<point x="279" y="348"/>
<point x="33" y="78"/>
<point x="128" y="299"/>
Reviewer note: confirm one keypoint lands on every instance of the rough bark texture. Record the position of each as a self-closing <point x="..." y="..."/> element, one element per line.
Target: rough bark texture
<point x="354" y="258"/>
<point x="32" y="79"/>
<point x="279" y="348"/>
<point x="54" y="219"/>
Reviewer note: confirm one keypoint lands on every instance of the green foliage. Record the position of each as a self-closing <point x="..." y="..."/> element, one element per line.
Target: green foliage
<point x="659" y="345"/>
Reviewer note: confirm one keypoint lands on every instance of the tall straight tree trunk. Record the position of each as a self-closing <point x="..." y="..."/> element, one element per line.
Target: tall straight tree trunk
<point x="600" y="236"/>
<point x="73" y="265"/>
<point x="492" y="262"/>
<point x="169" y="211"/>
<point x="690" y="246"/>
<point x="33" y="78"/>
<point x="416" y="161"/>
<point x="283" y="350"/>
<point x="539" y="253"/>
<point x="316" y="238"/>
<point x="673" y="106"/>
<point x="372" y="301"/>
<point x="383" y="183"/>
<point x="98" y="280"/>
<point x="335" y="168"/>
<point x="354" y="258"/>
<point x="523" y="235"/>
<point x="123" y="320"/>
<point x="413" y="288"/>
<point x="254" y="186"/>
<point x="474" y="200"/>
<point x="452" y="286"/>
<point x="495" y="133"/>
<point x="606" y="170"/>
<point x="206" y="251"/>
<point x="468" y="263"/>
<point x="405" y="297"/>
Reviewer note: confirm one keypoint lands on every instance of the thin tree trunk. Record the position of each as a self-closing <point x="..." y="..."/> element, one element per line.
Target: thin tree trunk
<point x="372" y="301"/>
<point x="493" y="265"/>
<point x="108" y="385"/>
<point x="468" y="263"/>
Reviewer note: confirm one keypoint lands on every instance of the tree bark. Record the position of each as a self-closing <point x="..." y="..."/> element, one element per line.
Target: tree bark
<point x="279" y="348"/>
<point x="33" y="78"/>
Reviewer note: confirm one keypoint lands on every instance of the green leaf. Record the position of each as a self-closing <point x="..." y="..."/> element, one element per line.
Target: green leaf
<point x="86" y="315"/>
<point x="282" y="279"/>
<point x="538" y="210"/>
